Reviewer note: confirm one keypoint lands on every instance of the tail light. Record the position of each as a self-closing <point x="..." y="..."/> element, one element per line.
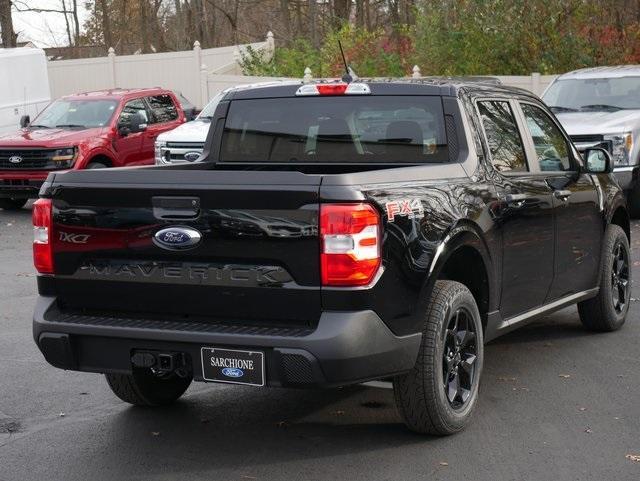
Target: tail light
<point x="350" y="244"/>
<point x="42" y="248"/>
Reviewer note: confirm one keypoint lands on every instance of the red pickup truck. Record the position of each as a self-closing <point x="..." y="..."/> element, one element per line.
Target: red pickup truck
<point x="112" y="128"/>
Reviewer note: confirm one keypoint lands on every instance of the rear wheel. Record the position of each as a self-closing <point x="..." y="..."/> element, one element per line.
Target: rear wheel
<point x="12" y="204"/>
<point x="608" y="310"/>
<point x="439" y="395"/>
<point x="145" y="388"/>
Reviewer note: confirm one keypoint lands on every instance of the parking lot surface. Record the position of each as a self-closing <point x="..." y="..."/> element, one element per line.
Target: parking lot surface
<point x="556" y="403"/>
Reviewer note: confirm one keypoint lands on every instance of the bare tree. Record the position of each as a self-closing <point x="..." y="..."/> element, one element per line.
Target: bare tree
<point x="9" y="37"/>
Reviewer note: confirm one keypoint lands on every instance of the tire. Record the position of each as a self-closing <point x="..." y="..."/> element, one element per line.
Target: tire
<point x="9" y="203"/>
<point x="608" y="310"/>
<point x="143" y="388"/>
<point x="96" y="165"/>
<point x="422" y="396"/>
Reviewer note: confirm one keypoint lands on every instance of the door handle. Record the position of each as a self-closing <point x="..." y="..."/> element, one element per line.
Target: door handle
<point x="562" y="194"/>
<point x="516" y="200"/>
<point x="175" y="208"/>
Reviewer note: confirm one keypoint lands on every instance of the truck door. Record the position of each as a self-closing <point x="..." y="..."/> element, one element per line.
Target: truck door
<point x="576" y="206"/>
<point x="524" y="214"/>
<point x="129" y="144"/>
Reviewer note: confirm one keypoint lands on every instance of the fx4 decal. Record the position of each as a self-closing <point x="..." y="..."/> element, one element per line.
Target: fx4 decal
<point x="74" y="238"/>
<point x="411" y="208"/>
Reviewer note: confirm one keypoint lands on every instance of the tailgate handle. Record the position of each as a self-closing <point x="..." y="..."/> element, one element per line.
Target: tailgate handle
<point x="175" y="208"/>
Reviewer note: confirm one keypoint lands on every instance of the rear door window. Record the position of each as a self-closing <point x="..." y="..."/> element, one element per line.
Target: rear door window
<point x="162" y="109"/>
<point x="344" y="129"/>
<point x="503" y="137"/>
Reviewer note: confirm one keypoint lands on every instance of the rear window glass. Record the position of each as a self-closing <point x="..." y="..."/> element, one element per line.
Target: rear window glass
<point x="345" y="129"/>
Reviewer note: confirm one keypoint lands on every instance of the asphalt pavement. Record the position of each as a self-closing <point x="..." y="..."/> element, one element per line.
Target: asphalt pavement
<point x="556" y="403"/>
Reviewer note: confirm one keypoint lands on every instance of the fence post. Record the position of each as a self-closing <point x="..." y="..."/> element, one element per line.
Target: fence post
<point x="271" y="45"/>
<point x="204" y="86"/>
<point x="197" y="61"/>
<point x="111" y="59"/>
<point x="307" y="75"/>
<point x="535" y="83"/>
<point x="416" y="72"/>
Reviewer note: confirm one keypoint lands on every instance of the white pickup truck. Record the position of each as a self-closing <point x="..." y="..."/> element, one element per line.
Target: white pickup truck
<point x="185" y="142"/>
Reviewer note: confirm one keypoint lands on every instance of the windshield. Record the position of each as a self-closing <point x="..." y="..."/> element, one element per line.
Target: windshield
<point x="76" y="114"/>
<point x="341" y="129"/>
<point x="210" y="108"/>
<point x="595" y="94"/>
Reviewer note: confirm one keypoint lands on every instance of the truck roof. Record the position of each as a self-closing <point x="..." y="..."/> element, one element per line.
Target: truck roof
<point x="615" y="71"/>
<point x="118" y="93"/>
<point x="446" y="86"/>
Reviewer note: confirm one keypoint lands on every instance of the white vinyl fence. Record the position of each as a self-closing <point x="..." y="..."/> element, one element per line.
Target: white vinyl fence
<point x="181" y="71"/>
<point x="198" y="74"/>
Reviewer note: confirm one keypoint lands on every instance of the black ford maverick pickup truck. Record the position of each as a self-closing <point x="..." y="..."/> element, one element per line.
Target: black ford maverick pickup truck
<point x="336" y="233"/>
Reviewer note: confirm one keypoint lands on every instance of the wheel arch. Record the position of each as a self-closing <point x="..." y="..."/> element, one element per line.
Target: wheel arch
<point x="620" y="217"/>
<point x="102" y="158"/>
<point x="463" y="256"/>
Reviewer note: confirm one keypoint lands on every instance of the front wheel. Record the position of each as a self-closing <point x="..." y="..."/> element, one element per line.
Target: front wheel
<point x="608" y="310"/>
<point x="143" y="387"/>
<point x="439" y="395"/>
<point x="12" y="204"/>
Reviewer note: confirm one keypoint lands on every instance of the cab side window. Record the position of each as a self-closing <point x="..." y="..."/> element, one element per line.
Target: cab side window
<point x="503" y="137"/>
<point x="551" y="146"/>
<point x="131" y="108"/>
<point x="162" y="108"/>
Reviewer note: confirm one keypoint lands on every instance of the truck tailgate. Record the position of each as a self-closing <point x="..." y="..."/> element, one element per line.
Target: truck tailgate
<point x="257" y="260"/>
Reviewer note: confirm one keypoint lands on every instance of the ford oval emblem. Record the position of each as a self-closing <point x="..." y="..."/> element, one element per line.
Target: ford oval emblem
<point x="232" y="372"/>
<point x="177" y="238"/>
<point x="192" y="156"/>
<point x="15" y="159"/>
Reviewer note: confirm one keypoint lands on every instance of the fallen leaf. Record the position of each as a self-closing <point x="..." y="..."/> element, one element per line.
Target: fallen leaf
<point x="565" y="376"/>
<point x="282" y="424"/>
<point x="444" y="463"/>
<point x="155" y="433"/>
<point x="588" y="431"/>
<point x="582" y="409"/>
<point x="633" y="457"/>
<point x="62" y="415"/>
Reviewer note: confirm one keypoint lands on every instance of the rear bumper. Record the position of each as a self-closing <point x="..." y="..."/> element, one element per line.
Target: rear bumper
<point x="345" y="348"/>
<point x="21" y="185"/>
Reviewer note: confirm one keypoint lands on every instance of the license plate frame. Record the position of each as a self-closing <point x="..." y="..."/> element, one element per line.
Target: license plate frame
<point x="232" y="361"/>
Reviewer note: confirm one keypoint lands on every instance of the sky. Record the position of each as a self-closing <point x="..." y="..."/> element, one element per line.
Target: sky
<point x="44" y="29"/>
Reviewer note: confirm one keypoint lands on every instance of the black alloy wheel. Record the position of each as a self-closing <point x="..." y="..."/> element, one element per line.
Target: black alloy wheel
<point x="620" y="278"/>
<point x="459" y="358"/>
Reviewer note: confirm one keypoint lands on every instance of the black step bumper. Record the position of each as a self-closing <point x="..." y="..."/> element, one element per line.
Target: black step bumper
<point x="345" y="348"/>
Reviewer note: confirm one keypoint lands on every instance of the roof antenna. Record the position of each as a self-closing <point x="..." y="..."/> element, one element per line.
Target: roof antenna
<point x="349" y="75"/>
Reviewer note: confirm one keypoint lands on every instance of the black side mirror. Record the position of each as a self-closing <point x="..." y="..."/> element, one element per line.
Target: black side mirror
<point x="25" y="120"/>
<point x="135" y="124"/>
<point x="138" y="124"/>
<point x="598" y="161"/>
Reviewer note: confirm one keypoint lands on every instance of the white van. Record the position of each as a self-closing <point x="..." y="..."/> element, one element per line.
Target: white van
<point x="24" y="85"/>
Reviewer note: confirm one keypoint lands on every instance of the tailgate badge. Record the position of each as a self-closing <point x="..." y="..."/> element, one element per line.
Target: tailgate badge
<point x="177" y="238"/>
